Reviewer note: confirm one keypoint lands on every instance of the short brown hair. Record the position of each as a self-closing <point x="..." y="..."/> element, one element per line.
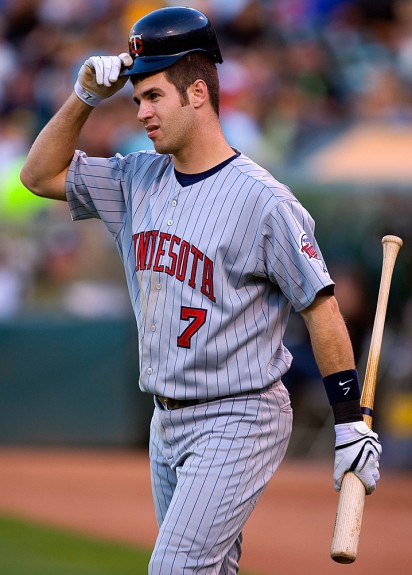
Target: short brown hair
<point x="184" y="72"/>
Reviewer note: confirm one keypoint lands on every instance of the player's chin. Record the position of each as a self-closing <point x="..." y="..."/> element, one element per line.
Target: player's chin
<point x="161" y="147"/>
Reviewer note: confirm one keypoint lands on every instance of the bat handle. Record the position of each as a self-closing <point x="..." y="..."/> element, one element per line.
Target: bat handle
<point x="348" y="520"/>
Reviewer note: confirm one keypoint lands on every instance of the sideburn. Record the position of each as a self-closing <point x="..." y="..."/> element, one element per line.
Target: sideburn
<point x="184" y="98"/>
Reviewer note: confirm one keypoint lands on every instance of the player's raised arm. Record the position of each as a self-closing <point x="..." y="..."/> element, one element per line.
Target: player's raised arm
<point x="44" y="172"/>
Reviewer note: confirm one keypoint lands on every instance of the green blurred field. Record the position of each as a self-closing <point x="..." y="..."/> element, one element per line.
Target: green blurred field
<point x="30" y="549"/>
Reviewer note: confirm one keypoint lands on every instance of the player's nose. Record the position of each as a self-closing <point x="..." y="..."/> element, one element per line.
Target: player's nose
<point x="144" y="112"/>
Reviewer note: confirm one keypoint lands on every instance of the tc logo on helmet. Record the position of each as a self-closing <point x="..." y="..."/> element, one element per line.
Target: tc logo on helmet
<point x="135" y="44"/>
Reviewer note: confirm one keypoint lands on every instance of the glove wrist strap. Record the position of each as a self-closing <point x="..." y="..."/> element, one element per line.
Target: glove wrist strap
<point x="347" y="411"/>
<point x="88" y="97"/>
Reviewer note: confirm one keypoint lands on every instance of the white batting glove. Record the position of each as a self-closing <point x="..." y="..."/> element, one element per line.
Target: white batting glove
<point x="99" y="77"/>
<point x="107" y="68"/>
<point x="357" y="449"/>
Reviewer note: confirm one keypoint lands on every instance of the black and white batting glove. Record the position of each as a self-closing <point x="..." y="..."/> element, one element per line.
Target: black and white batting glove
<point x="99" y="77"/>
<point x="357" y="449"/>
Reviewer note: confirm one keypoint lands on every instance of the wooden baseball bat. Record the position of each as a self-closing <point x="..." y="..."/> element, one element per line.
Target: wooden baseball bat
<point x="348" y="522"/>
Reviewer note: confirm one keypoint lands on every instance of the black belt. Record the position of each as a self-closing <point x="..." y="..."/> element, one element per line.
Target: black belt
<point x="170" y="403"/>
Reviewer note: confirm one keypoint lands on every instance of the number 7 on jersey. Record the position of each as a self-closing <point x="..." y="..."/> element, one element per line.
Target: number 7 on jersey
<point x="198" y="317"/>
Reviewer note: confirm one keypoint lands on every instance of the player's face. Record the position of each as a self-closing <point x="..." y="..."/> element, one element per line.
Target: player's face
<point x="167" y="122"/>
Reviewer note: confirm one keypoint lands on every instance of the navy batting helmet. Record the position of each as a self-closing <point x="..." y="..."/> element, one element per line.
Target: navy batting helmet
<point x="160" y="38"/>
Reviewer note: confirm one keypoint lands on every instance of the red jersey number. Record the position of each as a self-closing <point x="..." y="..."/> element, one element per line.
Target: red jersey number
<point x="198" y="317"/>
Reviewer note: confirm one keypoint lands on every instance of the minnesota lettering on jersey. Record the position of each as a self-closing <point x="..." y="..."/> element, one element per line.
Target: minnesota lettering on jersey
<point x="167" y="253"/>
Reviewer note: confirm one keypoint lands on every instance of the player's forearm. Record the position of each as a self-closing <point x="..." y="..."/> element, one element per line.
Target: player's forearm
<point x="45" y="169"/>
<point x="329" y="336"/>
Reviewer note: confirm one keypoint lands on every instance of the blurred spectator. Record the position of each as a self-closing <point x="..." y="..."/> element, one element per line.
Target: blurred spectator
<point x="18" y="260"/>
<point x="15" y="137"/>
<point x="11" y="287"/>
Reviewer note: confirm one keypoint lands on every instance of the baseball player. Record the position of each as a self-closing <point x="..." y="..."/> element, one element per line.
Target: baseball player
<point x="216" y="252"/>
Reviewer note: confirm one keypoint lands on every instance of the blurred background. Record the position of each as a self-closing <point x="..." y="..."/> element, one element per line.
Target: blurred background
<point x="317" y="91"/>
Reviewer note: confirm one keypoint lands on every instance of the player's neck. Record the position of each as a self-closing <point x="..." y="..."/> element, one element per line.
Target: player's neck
<point x="208" y="149"/>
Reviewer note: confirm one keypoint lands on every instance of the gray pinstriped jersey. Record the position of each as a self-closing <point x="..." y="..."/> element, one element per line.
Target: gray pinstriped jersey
<point x="212" y="268"/>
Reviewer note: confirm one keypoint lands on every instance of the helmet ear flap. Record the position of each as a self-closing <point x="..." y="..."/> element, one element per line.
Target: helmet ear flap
<point x="163" y="36"/>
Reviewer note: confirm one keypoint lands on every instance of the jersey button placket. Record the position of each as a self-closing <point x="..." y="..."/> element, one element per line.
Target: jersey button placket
<point x="158" y="286"/>
<point x="151" y="327"/>
<point x="173" y="203"/>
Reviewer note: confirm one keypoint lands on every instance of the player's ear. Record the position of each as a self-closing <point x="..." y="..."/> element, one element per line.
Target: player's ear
<point x="198" y="93"/>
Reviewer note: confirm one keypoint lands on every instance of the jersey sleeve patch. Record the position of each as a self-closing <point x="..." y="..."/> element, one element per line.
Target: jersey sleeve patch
<point x="307" y="248"/>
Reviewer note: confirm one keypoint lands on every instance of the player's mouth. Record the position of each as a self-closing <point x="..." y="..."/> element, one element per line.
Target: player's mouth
<point x="152" y="131"/>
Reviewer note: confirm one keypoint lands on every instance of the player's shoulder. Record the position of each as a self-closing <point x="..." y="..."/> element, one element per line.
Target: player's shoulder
<point x="148" y="158"/>
<point x="262" y="181"/>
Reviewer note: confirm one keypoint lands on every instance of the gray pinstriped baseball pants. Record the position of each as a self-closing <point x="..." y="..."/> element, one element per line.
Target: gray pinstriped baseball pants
<point x="209" y="465"/>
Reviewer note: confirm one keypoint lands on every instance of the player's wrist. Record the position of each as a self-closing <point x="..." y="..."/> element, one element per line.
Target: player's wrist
<point x="342" y="389"/>
<point x="347" y="411"/>
<point x="87" y="96"/>
<point x="351" y="431"/>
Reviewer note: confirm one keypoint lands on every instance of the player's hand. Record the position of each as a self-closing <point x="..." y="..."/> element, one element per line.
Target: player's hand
<point x="100" y="77"/>
<point x="357" y="449"/>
